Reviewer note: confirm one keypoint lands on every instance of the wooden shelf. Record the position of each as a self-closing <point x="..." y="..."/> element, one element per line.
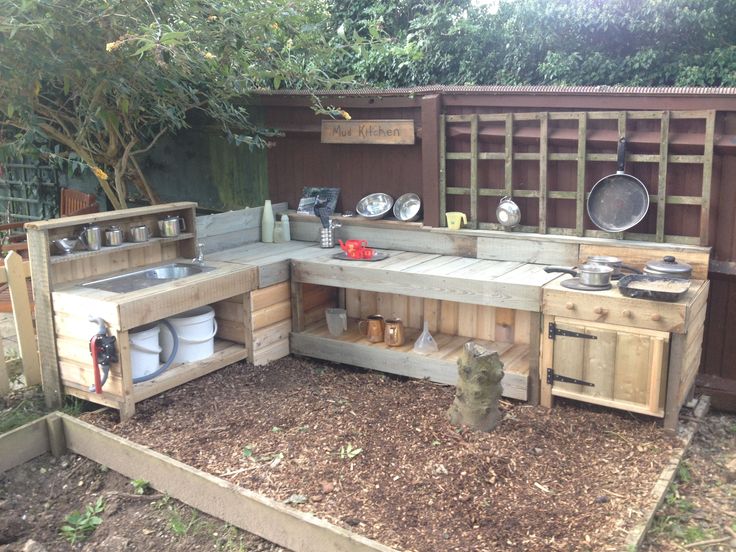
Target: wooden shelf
<point x="226" y="352"/>
<point x="353" y="348"/>
<point x="125" y="246"/>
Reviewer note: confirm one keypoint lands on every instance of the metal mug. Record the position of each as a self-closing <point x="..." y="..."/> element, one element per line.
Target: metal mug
<point x="394" y="332"/>
<point x="91" y="237"/>
<point x="113" y="236"/>
<point x="139" y="234"/>
<point x="170" y="227"/>
<point x="372" y="328"/>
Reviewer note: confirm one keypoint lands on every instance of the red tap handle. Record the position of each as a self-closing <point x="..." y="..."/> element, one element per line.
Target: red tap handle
<point x="95" y="365"/>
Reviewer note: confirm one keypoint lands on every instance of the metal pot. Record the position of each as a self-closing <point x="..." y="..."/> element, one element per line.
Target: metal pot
<point x="113" y="236"/>
<point x="91" y="237"/>
<point x="139" y="234"/>
<point x="172" y="226"/>
<point x="508" y="213"/>
<point x="669" y="266"/>
<point x="614" y="262"/>
<point x="590" y="274"/>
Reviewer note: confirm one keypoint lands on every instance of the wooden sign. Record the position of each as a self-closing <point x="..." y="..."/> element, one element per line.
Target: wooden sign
<point x="383" y="131"/>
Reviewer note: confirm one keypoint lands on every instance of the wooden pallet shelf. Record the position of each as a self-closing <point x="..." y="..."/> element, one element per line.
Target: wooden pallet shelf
<point x="541" y="132"/>
<point x="353" y="348"/>
<point x="125" y="246"/>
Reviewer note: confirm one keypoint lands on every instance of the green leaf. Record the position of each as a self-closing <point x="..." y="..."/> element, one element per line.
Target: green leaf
<point x="277" y="83"/>
<point x="10" y="110"/>
<point x="173" y="37"/>
<point x="247" y="452"/>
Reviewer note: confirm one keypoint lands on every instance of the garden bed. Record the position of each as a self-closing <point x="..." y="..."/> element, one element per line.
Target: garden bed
<point x="572" y="478"/>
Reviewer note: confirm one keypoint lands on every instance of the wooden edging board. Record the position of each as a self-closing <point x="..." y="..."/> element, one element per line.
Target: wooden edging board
<point x="245" y="509"/>
<point x="267" y="518"/>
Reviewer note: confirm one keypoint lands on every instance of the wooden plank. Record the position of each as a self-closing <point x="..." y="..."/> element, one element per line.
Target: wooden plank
<point x="638" y="256"/>
<point x="535" y="335"/>
<point x="528" y="250"/>
<point x="57" y="439"/>
<point x="473" y="222"/>
<point x="225" y="353"/>
<point x="4" y="378"/>
<point x="110" y="216"/>
<point x="449" y="317"/>
<point x="38" y="250"/>
<point x="271" y="315"/>
<point x="631" y="381"/>
<point x="432" y="314"/>
<point x="297" y="304"/>
<point x="568" y="359"/>
<point x="609" y="403"/>
<point x="250" y="511"/>
<point x="543" y="150"/>
<point x="270" y="335"/>
<point x="508" y="293"/>
<point x="23" y="444"/>
<point x="600" y="362"/>
<point x="443" y="171"/>
<point x="581" y="175"/>
<point x="275" y="351"/>
<point x="387" y="359"/>
<point x="486" y="323"/>
<point x="508" y="150"/>
<point x="467" y="319"/>
<point x="664" y="131"/>
<point x="431" y="125"/>
<point x="656" y="360"/>
<point x="710" y="123"/>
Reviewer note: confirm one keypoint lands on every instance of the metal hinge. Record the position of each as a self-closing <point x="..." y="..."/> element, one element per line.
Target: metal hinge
<point x="552" y="377"/>
<point x="554" y="331"/>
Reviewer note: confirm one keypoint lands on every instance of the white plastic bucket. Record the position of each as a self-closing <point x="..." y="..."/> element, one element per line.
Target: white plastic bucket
<point x="196" y="330"/>
<point x="144" y="351"/>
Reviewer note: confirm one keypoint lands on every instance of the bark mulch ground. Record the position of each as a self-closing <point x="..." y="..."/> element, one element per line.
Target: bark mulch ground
<point x="375" y="453"/>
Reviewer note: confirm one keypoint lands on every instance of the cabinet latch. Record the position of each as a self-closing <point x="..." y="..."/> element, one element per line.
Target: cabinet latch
<point x="552" y="377"/>
<point x="554" y="331"/>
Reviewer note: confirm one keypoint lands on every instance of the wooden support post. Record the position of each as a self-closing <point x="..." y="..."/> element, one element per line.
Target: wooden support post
<point x="543" y="130"/>
<point x="4" y="378"/>
<point x="664" y="133"/>
<point x="710" y="123"/>
<point x="27" y="345"/>
<point x="678" y="348"/>
<point x="582" y="157"/>
<point x="508" y="154"/>
<point x="535" y="327"/>
<point x="297" y="304"/>
<point x="57" y="438"/>
<point x="478" y="389"/>
<point x="39" y="252"/>
<point x="431" y="132"/>
<point x="443" y="172"/>
<point x="473" y="222"/>
<point x="545" y="361"/>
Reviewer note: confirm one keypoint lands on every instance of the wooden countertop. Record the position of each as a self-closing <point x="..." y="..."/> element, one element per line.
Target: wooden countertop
<point x="467" y="280"/>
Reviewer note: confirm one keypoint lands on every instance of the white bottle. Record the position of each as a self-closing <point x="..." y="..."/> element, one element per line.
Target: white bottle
<point x="278" y="232"/>
<point x="285" y="229"/>
<point x="267" y="223"/>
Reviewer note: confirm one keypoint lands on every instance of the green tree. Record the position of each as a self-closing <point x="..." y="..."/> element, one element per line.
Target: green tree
<point x="96" y="83"/>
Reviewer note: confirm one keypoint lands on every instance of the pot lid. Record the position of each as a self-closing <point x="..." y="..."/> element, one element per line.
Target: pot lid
<point x="669" y="265"/>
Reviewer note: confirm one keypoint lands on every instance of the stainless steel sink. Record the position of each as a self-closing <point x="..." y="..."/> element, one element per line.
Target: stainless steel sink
<point x="148" y="277"/>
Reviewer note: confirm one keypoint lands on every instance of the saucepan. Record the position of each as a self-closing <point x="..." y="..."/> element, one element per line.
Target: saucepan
<point x="614" y="262"/>
<point x="590" y="274"/>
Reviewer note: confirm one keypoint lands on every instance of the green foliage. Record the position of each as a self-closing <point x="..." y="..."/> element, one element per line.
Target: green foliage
<point x="80" y="525"/>
<point x="105" y="79"/>
<point x="140" y="486"/>
<point x="348" y="452"/>
<point x="561" y="42"/>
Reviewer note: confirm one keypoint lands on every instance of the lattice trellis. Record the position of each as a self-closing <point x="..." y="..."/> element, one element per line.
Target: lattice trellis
<point x="544" y="156"/>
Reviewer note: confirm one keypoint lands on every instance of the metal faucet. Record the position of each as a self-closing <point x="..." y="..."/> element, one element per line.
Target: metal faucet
<point x="199" y="259"/>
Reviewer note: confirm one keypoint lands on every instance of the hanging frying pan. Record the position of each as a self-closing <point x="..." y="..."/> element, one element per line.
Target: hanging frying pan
<point x="618" y="201"/>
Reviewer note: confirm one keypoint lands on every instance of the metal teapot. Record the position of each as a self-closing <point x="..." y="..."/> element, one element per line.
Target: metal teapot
<point x="508" y="212"/>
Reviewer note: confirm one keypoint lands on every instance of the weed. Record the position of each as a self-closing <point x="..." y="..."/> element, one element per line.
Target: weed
<point x="229" y="539"/>
<point x="140" y="486"/>
<point x="247" y="452"/>
<point x="695" y="534"/>
<point x="26" y="410"/>
<point x="72" y="406"/>
<point x="348" y="452"/>
<point x="683" y="473"/>
<point x="80" y="525"/>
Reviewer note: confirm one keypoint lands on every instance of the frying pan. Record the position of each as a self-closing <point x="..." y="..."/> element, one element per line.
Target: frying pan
<point x="673" y="289"/>
<point x="618" y="201"/>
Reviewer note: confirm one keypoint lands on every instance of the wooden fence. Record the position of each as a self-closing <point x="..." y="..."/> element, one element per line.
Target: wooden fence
<point x="14" y="274"/>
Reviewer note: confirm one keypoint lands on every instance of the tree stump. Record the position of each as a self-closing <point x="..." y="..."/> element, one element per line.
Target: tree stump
<point x="478" y="389"/>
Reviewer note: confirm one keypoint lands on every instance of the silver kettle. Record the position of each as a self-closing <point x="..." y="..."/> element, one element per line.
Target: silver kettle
<point x="508" y="212"/>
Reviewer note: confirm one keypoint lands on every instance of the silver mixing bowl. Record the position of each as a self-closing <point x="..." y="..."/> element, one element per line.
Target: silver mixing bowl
<point x="374" y="206"/>
<point x="407" y="207"/>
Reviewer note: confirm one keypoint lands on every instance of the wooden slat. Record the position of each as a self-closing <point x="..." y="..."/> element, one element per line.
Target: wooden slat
<point x="568" y="359"/>
<point x="664" y="131"/>
<point x="474" y="172"/>
<point x="443" y="170"/>
<point x="543" y="129"/>
<point x="710" y="123"/>
<point x="600" y="356"/>
<point x="632" y="379"/>
<point x="23" y="319"/>
<point x="508" y="154"/>
<point x="582" y="156"/>
<point x="23" y="444"/>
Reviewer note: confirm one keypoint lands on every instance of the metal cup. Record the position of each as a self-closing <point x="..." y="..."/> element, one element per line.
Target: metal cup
<point x="372" y="328"/>
<point x="327" y="237"/>
<point x="139" y="233"/>
<point x="91" y="237"/>
<point x="113" y="236"/>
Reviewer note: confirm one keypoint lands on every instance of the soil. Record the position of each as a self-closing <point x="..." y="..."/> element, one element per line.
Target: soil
<point x="36" y="498"/>
<point x="374" y="453"/>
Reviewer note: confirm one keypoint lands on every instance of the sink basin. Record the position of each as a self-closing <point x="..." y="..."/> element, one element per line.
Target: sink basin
<point x="147" y="277"/>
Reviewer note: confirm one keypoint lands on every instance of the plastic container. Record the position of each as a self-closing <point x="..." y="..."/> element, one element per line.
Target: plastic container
<point x="285" y="227"/>
<point x="196" y="330"/>
<point x="267" y="221"/>
<point x="145" y="351"/>
<point x="337" y="321"/>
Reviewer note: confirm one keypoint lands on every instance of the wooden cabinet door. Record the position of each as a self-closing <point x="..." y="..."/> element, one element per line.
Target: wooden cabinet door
<point x="622" y="367"/>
